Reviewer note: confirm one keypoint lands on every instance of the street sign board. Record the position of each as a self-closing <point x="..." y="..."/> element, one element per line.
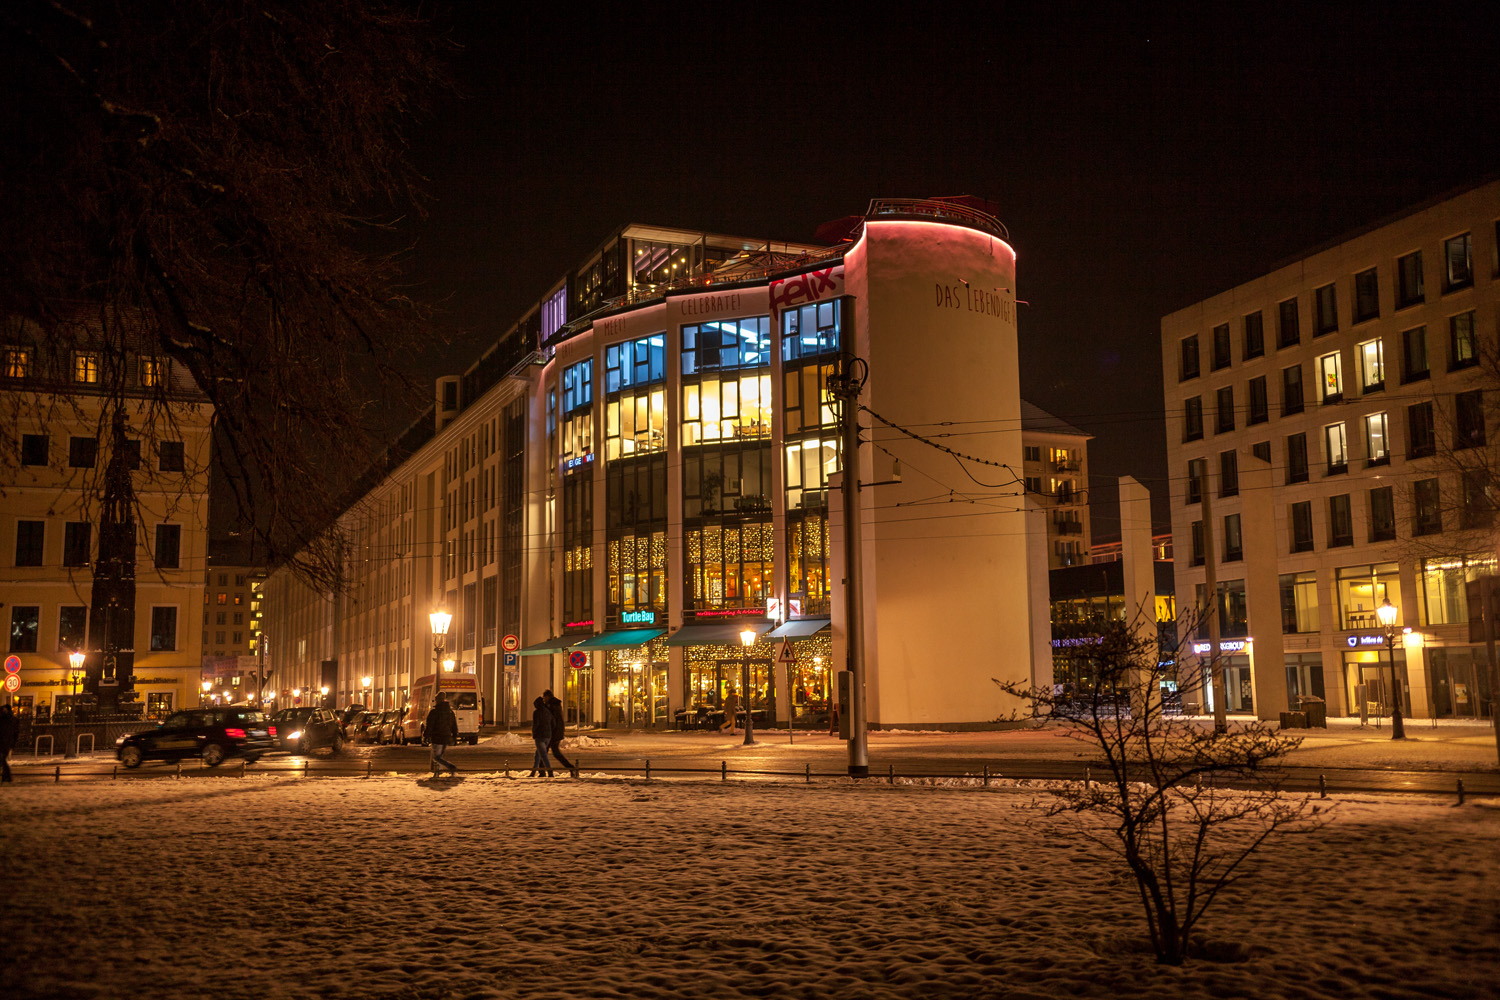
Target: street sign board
<point x="12" y="683"/>
<point x="510" y="644"/>
<point x="12" y="664"/>
<point x="578" y="659"/>
<point x="786" y="655"/>
<point x="511" y="660"/>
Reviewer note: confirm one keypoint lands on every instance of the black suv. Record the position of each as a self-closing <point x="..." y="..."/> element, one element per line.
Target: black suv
<point x="303" y="730"/>
<point x="211" y="733"/>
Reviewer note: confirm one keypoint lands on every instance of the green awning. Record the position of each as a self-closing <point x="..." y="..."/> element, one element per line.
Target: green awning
<point x="799" y="628"/>
<point x="622" y="639"/>
<point x="717" y="634"/>
<point x="556" y="644"/>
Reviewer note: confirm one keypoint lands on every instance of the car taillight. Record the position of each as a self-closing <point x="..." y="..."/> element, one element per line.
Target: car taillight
<point x="273" y="730"/>
<point x="235" y="734"/>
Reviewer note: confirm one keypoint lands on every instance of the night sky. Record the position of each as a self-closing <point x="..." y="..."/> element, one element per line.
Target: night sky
<point x="1141" y="157"/>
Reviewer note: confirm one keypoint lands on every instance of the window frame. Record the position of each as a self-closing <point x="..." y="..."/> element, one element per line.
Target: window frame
<point x="1326" y="309"/>
<point x="1410" y="281"/>
<point x="1367" y="295"/>
<point x="1463" y="277"/>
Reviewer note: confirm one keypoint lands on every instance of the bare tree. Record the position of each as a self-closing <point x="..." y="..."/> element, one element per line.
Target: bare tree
<point x="1181" y="835"/>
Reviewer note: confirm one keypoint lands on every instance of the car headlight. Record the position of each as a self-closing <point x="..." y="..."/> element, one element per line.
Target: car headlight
<point x="294" y="736"/>
<point x="120" y="740"/>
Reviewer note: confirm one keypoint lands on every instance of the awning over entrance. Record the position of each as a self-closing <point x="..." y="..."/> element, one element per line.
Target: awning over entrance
<point x="800" y="628"/>
<point x="622" y="639"/>
<point x="556" y="644"/>
<point x="717" y="634"/>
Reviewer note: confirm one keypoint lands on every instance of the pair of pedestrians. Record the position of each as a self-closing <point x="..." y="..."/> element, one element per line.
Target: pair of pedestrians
<point x="547" y="734"/>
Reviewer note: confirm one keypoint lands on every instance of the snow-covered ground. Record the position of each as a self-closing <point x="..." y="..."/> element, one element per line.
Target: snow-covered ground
<point x="482" y="887"/>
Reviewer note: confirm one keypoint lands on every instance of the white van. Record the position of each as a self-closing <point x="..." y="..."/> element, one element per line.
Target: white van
<point x="462" y="691"/>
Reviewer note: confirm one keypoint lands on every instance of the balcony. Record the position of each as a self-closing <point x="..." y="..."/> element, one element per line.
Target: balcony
<point x="1068" y="527"/>
<point x="1068" y="465"/>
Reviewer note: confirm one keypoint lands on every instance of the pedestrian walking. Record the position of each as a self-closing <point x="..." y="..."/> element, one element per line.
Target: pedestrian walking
<point x="541" y="735"/>
<point x="10" y="731"/>
<point x="731" y="710"/>
<point x="555" y="744"/>
<point x="442" y="732"/>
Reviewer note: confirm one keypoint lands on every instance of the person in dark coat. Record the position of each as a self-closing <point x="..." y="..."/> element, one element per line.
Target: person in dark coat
<point x="442" y="732"/>
<point x="555" y="744"/>
<point x="10" y="731"/>
<point x="541" y="735"/>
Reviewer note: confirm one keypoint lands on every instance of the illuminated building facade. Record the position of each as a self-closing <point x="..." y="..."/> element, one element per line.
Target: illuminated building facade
<point x="1340" y="409"/>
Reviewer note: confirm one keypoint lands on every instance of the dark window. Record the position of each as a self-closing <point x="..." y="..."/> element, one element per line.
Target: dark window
<point x="1287" y="330"/>
<point x="1221" y="346"/>
<point x="1255" y="335"/>
<point x="29" y="535"/>
<point x="1302" y="528"/>
<point x="132" y="454"/>
<point x="1409" y="280"/>
<point x="1421" y="436"/>
<point x="450" y="395"/>
<point x="1189" y="365"/>
<point x="76" y="538"/>
<point x="1468" y="430"/>
<point x="1261" y="450"/>
<point x="1325" y="310"/>
<point x="1296" y="458"/>
<point x="1234" y="546"/>
<point x="168" y="545"/>
<point x="1229" y="474"/>
<point x="1366" y="295"/>
<point x="1340" y="521"/>
<point x="1461" y="346"/>
<point x="1414" y="354"/>
<point x="1458" y="262"/>
<point x="1192" y="419"/>
<point x="1197" y="468"/>
<point x="1427" y="515"/>
<point x="1382" y="514"/>
<point x="33" y="449"/>
<point x="1291" y="390"/>
<point x="1224" y="417"/>
<point x="1478" y="509"/>
<point x="1260" y="407"/>
<point x="25" y="621"/>
<point x="83" y="453"/>
<point x="72" y="626"/>
<point x="1197" y="543"/>
<point x="169" y="457"/>
<point x="163" y="628"/>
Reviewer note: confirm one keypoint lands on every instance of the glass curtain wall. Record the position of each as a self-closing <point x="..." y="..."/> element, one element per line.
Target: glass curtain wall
<point x="575" y="457"/>
<point x="726" y="462"/>
<point x="635" y="442"/>
<point x="809" y="348"/>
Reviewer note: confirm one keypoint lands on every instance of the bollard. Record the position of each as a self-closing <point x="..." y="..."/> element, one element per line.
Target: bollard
<point x="304" y="768"/>
<point x="179" y="770"/>
<point x="808" y="772"/>
<point x="986" y="776"/>
<point x="114" y="772"/>
<point x="890" y="776"/>
<point x="507" y="772"/>
<point x="369" y="765"/>
<point x="56" y="774"/>
<point x="243" y="764"/>
<point x="1087" y="779"/>
<point x="723" y="770"/>
<point x="577" y="765"/>
<point x="1322" y="787"/>
<point x="1460" y="791"/>
<point x="648" y="768"/>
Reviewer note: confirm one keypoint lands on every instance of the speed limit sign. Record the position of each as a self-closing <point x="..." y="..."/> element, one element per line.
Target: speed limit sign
<point x="12" y="683"/>
<point x="578" y="659"/>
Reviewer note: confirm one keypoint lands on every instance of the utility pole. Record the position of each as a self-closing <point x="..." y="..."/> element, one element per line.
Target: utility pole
<point x="1211" y="585"/>
<point x="846" y="384"/>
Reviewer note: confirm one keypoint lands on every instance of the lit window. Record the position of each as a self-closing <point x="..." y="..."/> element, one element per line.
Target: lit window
<point x="1371" y="365"/>
<point x="1330" y="376"/>
<point x="1461" y="341"/>
<point x="17" y="362"/>
<point x="1377" y="443"/>
<point x="1337" y="448"/>
<point x="86" y="367"/>
<point x="150" y="371"/>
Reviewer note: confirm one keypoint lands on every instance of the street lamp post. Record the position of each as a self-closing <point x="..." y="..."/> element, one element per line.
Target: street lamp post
<point x="1387" y="614"/>
<point x="440" y="620"/>
<point x="747" y="639"/>
<point x="367" y="682"/>
<point x="70" y="751"/>
<point x="207" y="687"/>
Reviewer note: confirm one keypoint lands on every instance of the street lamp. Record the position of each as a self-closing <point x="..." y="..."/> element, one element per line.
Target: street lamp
<point x="71" y="750"/>
<point x="1387" y="614"/>
<point x="440" y="620"/>
<point x="207" y="687"/>
<point x="747" y="639"/>
<point x="367" y="682"/>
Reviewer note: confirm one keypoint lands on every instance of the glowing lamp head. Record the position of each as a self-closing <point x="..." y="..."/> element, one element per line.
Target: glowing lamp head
<point x="1386" y="613"/>
<point x="208" y="686"/>
<point x="323" y="690"/>
<point x="440" y="621"/>
<point x="747" y="637"/>
<point x="366" y="681"/>
<point x="76" y="658"/>
<point x="448" y="666"/>
<point x="296" y="692"/>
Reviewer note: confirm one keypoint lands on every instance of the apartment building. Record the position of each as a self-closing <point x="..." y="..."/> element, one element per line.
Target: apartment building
<point x="1331" y="432"/>
<point x="1055" y="458"/>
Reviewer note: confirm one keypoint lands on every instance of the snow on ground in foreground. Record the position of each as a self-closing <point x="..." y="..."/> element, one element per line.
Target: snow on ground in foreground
<point x="397" y="889"/>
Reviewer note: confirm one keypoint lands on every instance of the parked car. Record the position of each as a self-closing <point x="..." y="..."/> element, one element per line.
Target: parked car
<point x="388" y="729"/>
<point x="214" y="734"/>
<point x="349" y="714"/>
<point x="303" y="730"/>
<point x="359" y="730"/>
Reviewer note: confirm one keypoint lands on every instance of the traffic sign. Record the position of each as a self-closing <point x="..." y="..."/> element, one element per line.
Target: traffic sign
<point x="510" y="644"/>
<point x="511" y="660"/>
<point x="786" y="655"/>
<point x="578" y="659"/>
<point x="12" y="683"/>
<point x="12" y="664"/>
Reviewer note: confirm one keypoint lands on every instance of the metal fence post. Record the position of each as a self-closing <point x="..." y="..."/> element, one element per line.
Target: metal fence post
<point x="986" y="776"/>
<point x="57" y="774"/>
<point x="808" y="772"/>
<point x="648" y="768"/>
<point x="890" y="777"/>
<point x="723" y="770"/>
<point x="368" y="765"/>
<point x="1322" y="786"/>
<point x="179" y="770"/>
<point x="1460" y="791"/>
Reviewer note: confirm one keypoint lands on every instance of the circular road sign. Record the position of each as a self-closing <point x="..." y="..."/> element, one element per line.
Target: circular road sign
<point x="12" y="664"/>
<point x="578" y="659"/>
<point x="12" y="683"/>
<point x="510" y="644"/>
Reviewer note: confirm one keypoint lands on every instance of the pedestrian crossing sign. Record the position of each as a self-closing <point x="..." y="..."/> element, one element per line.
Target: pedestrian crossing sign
<point x="786" y="655"/>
